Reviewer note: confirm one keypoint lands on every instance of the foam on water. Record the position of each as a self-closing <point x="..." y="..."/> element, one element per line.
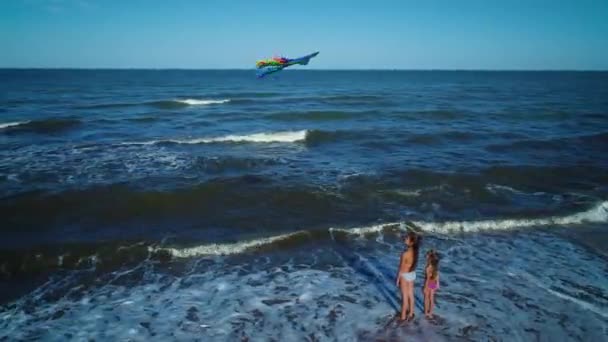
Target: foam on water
<point x="266" y="137"/>
<point x="273" y="302"/>
<point x="196" y="102"/>
<point x="378" y="228"/>
<point x="597" y="214"/>
<point x="223" y="249"/>
<point x="251" y="245"/>
<point x="12" y="124"/>
<point x="494" y="188"/>
<point x="321" y="294"/>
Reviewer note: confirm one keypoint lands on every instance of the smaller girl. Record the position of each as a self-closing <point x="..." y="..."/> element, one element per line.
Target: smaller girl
<point x="431" y="282"/>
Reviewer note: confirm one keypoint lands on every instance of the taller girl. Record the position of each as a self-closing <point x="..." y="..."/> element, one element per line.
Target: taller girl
<point x="407" y="274"/>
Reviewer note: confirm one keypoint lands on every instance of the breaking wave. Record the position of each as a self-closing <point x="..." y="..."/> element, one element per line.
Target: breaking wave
<point x="164" y="104"/>
<point x="228" y="248"/>
<point x="597" y="214"/>
<point x="40" y="126"/>
<point x="12" y="124"/>
<point x="312" y="137"/>
<point x="15" y="263"/>
<point x="195" y="102"/>
<point x="267" y="137"/>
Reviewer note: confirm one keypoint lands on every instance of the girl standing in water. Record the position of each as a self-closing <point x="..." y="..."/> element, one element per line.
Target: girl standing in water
<point x="431" y="282"/>
<point x="407" y="274"/>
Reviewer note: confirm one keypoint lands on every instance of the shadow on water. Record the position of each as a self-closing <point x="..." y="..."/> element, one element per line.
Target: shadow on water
<point x="377" y="274"/>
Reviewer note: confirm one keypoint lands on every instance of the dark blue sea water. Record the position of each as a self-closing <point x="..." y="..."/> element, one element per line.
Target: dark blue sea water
<point x="174" y="204"/>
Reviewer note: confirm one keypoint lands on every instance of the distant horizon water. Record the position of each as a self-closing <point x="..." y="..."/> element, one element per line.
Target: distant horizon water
<point x="303" y="69"/>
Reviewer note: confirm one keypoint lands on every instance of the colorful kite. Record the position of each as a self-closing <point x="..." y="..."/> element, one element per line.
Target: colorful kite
<point x="271" y="65"/>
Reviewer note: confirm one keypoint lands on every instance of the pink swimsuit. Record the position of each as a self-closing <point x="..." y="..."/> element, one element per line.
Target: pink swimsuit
<point x="432" y="284"/>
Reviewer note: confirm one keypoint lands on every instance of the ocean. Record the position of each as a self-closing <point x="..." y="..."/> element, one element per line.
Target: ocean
<point x="155" y="205"/>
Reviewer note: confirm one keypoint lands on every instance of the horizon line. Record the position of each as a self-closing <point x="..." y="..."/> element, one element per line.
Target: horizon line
<point x="291" y="70"/>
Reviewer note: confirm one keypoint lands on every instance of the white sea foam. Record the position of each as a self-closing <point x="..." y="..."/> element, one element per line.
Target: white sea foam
<point x="284" y="137"/>
<point x="151" y="142"/>
<point x="195" y="102"/>
<point x="164" y="308"/>
<point x="270" y="137"/>
<point x="223" y="248"/>
<point x="368" y="229"/>
<point x="597" y="214"/>
<point x="494" y="188"/>
<point x="294" y="299"/>
<point x="12" y="124"/>
<point x="243" y="246"/>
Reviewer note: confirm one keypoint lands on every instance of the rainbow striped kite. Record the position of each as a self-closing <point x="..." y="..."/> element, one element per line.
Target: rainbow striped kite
<point x="272" y="65"/>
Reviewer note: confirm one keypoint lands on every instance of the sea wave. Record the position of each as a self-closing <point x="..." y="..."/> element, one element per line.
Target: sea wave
<point x="12" y="124"/>
<point x="312" y="137"/>
<point x="249" y="94"/>
<point x="433" y="115"/>
<point x="215" y="165"/>
<point x="196" y="102"/>
<point x="264" y="137"/>
<point x="180" y="103"/>
<point x="162" y="104"/>
<point x="356" y="198"/>
<point x="107" y="254"/>
<point x="107" y="105"/>
<point x="318" y="115"/>
<point x="440" y="137"/>
<point x="597" y="214"/>
<point x="598" y="140"/>
<point x="226" y="248"/>
<point x="353" y="97"/>
<point x="346" y="99"/>
<point x="52" y="125"/>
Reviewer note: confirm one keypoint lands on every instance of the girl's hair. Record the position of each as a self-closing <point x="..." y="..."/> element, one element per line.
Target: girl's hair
<point x="416" y="246"/>
<point x="434" y="261"/>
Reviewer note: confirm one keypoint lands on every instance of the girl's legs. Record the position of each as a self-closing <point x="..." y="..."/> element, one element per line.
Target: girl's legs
<point x="404" y="298"/>
<point x="410" y="293"/>
<point x="426" y="301"/>
<point x="432" y="303"/>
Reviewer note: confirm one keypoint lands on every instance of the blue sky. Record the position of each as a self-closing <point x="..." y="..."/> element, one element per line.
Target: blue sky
<point x="372" y="34"/>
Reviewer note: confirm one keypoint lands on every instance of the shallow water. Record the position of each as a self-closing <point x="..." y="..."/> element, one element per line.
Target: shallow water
<point x="155" y="205"/>
<point x="493" y="287"/>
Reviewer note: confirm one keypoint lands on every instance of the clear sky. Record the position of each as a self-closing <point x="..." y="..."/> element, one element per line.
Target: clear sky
<point x="370" y="34"/>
